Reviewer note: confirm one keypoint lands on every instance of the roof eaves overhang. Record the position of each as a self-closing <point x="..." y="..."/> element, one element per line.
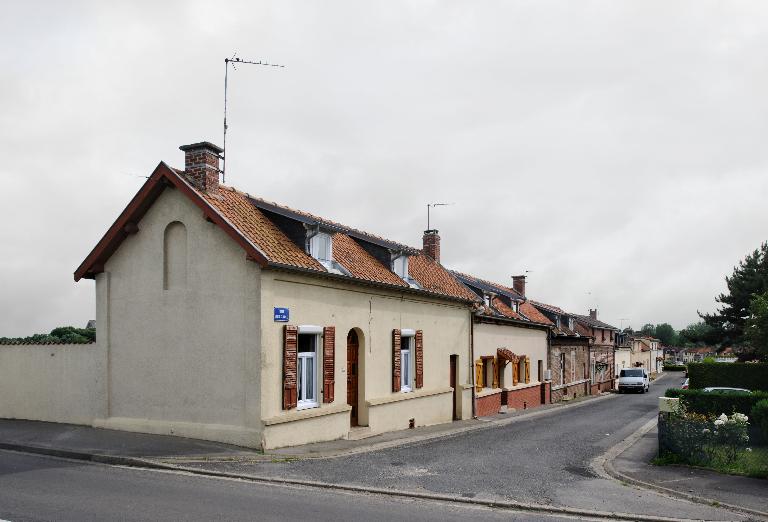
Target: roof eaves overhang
<point x="367" y="282"/>
<point x="127" y="222"/>
<point x="508" y="321"/>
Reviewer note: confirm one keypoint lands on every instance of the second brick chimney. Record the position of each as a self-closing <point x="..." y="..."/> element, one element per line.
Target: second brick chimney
<point x="518" y="284"/>
<point x="201" y="166"/>
<point x="431" y="241"/>
<point x="593" y="314"/>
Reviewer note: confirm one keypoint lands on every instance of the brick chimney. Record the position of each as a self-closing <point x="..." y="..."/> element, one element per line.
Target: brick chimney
<point x="593" y="314"/>
<point x="518" y="283"/>
<point x="431" y="241"/>
<point x="201" y="166"/>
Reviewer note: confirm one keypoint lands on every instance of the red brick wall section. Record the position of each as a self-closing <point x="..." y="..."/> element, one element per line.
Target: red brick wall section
<point x="525" y="398"/>
<point x="488" y="405"/>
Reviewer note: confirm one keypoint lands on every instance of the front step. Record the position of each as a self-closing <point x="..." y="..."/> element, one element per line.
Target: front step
<point x="359" y="432"/>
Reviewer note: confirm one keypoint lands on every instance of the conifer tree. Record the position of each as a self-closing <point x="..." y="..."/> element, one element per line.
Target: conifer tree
<point x="749" y="278"/>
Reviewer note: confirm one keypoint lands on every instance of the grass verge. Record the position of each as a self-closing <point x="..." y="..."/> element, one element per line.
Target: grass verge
<point x="750" y="463"/>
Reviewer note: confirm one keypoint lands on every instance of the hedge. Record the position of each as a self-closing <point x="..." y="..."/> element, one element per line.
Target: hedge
<point x="674" y="367"/>
<point x="714" y="403"/>
<point x="759" y="418"/>
<point x="752" y="376"/>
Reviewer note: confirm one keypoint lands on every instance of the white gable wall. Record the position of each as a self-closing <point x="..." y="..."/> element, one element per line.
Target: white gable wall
<point x="182" y="347"/>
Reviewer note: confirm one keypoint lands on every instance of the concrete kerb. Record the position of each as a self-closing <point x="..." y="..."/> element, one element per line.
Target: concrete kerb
<point x="603" y="466"/>
<point x="497" y="504"/>
<point x="483" y="423"/>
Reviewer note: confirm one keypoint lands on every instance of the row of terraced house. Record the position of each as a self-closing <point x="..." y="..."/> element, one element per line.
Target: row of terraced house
<point x="224" y="316"/>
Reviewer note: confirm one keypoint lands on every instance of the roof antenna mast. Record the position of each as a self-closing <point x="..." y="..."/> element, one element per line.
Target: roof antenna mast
<point x="234" y="60"/>
<point x="435" y="205"/>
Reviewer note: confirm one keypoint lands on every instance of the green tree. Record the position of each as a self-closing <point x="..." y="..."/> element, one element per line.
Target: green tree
<point x="666" y="334"/>
<point x="62" y="334"/>
<point x="750" y="277"/>
<point x="649" y="330"/>
<point x="697" y="334"/>
<point x="756" y="331"/>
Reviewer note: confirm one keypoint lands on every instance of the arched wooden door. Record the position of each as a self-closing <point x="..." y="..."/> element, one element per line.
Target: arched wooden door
<point x="352" y="378"/>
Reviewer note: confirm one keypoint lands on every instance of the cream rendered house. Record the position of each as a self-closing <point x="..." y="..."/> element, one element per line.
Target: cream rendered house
<point x="225" y="317"/>
<point x="510" y="348"/>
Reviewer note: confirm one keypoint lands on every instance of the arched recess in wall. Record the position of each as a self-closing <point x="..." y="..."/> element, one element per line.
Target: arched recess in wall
<point x="175" y="256"/>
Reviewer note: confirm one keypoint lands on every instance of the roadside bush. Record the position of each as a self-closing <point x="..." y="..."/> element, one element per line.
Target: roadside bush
<point x="700" y="439"/>
<point x="752" y="376"/>
<point x="760" y="418"/>
<point x="714" y="403"/>
<point x="674" y="367"/>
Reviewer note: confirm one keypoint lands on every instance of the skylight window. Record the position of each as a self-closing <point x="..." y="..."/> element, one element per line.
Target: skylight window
<point x="321" y="248"/>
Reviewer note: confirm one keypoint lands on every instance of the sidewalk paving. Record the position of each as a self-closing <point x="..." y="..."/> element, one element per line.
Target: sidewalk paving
<point x="702" y="485"/>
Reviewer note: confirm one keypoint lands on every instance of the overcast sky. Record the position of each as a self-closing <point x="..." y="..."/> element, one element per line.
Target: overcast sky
<point x="616" y="150"/>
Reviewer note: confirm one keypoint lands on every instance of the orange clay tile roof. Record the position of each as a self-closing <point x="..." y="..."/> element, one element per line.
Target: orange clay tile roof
<point x="433" y="277"/>
<point x="239" y="209"/>
<point x="259" y="230"/>
<point x="505" y="310"/>
<point x="331" y="223"/>
<point x="349" y="254"/>
<point x="530" y="311"/>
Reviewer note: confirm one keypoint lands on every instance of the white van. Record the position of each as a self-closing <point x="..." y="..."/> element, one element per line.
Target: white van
<point x="634" y="379"/>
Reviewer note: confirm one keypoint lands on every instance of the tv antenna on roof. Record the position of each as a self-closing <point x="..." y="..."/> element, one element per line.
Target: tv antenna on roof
<point x="234" y="60"/>
<point x="435" y="205"/>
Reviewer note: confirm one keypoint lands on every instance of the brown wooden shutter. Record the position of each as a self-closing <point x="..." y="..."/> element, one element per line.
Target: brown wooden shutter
<point x="527" y="369"/>
<point x="329" y="369"/>
<point x="495" y="371"/>
<point x="419" y="342"/>
<point x="515" y="372"/>
<point x="395" y="360"/>
<point x="479" y="375"/>
<point x="290" y="349"/>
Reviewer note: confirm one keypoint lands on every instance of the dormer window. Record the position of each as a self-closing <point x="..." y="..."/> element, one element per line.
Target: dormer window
<point x="557" y="321"/>
<point x="487" y="300"/>
<point x="570" y="323"/>
<point x="400" y="267"/>
<point x="321" y="248"/>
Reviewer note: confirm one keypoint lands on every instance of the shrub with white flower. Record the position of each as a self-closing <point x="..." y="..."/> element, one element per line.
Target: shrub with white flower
<point x="731" y="433"/>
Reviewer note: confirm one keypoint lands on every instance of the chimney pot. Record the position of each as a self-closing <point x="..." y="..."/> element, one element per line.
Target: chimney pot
<point x="431" y="242"/>
<point x="593" y="314"/>
<point x="201" y="166"/>
<point x="518" y="284"/>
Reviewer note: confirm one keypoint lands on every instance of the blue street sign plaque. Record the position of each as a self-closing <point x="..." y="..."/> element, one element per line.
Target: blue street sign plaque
<point x="282" y="314"/>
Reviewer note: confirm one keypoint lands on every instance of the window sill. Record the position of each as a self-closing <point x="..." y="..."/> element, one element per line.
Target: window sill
<point x="309" y="413"/>
<point x="522" y="385"/>
<point x="488" y="391"/>
<point x="416" y="394"/>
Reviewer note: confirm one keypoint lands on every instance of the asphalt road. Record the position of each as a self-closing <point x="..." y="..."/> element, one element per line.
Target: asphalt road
<point x="543" y="460"/>
<point x="35" y="487"/>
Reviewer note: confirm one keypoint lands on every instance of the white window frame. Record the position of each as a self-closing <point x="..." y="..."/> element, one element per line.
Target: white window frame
<point x="315" y="246"/>
<point x="301" y="368"/>
<point x="407" y="362"/>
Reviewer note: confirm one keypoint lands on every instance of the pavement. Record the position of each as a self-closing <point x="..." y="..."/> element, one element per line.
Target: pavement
<point x="700" y="485"/>
<point x="539" y="461"/>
